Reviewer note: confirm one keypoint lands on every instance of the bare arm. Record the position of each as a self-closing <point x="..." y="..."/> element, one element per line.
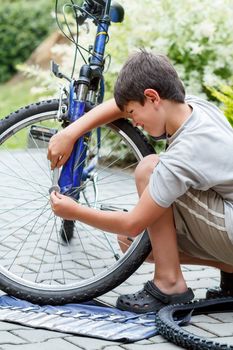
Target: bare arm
<point x="144" y="214"/>
<point x="61" y="144"/>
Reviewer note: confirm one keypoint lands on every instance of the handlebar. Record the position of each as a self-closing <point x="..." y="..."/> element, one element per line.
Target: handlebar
<point x="93" y="7"/>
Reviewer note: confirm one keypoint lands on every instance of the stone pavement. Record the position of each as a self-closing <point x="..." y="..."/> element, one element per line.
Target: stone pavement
<point x="215" y="326"/>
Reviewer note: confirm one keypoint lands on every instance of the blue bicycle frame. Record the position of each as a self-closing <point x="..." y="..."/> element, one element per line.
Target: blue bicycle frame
<point x="74" y="171"/>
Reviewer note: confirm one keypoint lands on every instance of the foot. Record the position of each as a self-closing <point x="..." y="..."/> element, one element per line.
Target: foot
<point x="151" y="299"/>
<point x="225" y="289"/>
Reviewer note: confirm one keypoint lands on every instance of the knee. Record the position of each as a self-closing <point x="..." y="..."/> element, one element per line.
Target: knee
<point x="145" y="168"/>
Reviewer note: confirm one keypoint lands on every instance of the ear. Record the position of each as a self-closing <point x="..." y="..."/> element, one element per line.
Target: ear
<point x="152" y="95"/>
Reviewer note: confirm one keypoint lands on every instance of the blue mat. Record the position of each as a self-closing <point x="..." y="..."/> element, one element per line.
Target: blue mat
<point x="87" y="319"/>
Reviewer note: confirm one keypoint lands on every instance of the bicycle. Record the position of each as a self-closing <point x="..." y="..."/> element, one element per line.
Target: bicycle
<point x="47" y="260"/>
<point x="44" y="259"/>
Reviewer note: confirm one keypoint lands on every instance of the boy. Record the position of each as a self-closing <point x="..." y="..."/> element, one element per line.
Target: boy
<point x="186" y="194"/>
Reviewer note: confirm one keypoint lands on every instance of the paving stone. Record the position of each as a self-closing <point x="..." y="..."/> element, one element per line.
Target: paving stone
<point x="114" y="347"/>
<point x="224" y="317"/>
<point x="123" y="289"/>
<point x="9" y="338"/>
<point x="199" y="331"/>
<point x="138" y="280"/>
<point x="197" y="275"/>
<point x="203" y="319"/>
<point x="219" y="329"/>
<point x="144" y="342"/>
<point x="5" y="326"/>
<point x="160" y="346"/>
<point x="39" y="335"/>
<point x="196" y="267"/>
<point x="109" y="300"/>
<point x="200" y="293"/>
<point x="89" y="343"/>
<point x="202" y="283"/>
<point x="157" y="339"/>
<point x="58" y="344"/>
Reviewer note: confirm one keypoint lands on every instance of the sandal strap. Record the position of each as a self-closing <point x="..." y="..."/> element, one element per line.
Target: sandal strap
<point x="151" y="288"/>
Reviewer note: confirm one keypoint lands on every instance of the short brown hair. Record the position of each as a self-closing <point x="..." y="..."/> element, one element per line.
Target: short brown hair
<point x="144" y="70"/>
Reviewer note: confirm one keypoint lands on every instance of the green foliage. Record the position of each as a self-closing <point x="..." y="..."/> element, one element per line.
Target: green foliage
<point x="224" y="94"/>
<point x="196" y="35"/>
<point x="23" y="24"/>
<point x="14" y="95"/>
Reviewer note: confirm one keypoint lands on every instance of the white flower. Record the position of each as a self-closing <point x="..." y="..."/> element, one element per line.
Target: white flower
<point x="207" y="29"/>
<point x="195" y="48"/>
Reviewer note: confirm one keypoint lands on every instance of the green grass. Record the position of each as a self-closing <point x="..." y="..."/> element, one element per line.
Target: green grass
<point x="14" y="95"/>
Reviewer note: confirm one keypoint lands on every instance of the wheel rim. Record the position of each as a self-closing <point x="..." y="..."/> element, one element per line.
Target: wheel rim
<point x="32" y="252"/>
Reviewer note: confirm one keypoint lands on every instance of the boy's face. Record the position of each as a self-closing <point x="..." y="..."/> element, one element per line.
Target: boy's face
<point x="147" y="116"/>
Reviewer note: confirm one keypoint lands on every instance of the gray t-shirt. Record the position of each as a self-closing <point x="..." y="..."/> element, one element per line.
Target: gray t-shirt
<point x="200" y="156"/>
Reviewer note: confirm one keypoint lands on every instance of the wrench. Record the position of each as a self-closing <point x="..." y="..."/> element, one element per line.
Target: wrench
<point x="55" y="187"/>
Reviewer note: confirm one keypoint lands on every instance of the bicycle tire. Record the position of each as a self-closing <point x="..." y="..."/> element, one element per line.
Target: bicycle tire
<point x="170" y="329"/>
<point x="15" y="282"/>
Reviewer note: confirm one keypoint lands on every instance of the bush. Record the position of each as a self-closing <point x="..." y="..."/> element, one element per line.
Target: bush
<point x="224" y="94"/>
<point x="23" y="24"/>
<point x="196" y="35"/>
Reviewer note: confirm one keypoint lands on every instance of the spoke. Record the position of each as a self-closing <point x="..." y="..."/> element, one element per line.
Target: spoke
<point x="118" y="196"/>
<point x="94" y="237"/>
<point x="21" y="226"/>
<point x="94" y="149"/>
<point x="76" y="190"/>
<point x="18" y="188"/>
<point x="84" y="249"/>
<point x="34" y="160"/>
<point x="29" y="233"/>
<point x="3" y="256"/>
<point x="55" y="260"/>
<point x="19" y="207"/>
<point x="24" y="168"/>
<point x="130" y="177"/>
<point x="49" y="239"/>
<point x="113" y="181"/>
<point x="21" y="199"/>
<point x="41" y="234"/>
<point x="25" y="180"/>
<point x="43" y="157"/>
<point x="59" y="250"/>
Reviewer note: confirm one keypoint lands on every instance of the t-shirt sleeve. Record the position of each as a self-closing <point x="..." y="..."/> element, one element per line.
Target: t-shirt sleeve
<point x="170" y="179"/>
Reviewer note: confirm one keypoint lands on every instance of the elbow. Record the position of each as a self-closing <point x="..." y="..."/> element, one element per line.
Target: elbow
<point x="133" y="228"/>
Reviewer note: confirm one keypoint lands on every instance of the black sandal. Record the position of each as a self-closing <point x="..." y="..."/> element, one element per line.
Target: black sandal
<point x="151" y="299"/>
<point x="224" y="290"/>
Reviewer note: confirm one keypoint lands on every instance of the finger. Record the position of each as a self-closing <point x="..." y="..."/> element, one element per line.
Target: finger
<point x="58" y="195"/>
<point x="54" y="162"/>
<point x="62" y="160"/>
<point x="52" y="197"/>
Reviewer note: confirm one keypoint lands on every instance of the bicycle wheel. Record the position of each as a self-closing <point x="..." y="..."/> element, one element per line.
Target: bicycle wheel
<point x="36" y="264"/>
<point x="166" y="322"/>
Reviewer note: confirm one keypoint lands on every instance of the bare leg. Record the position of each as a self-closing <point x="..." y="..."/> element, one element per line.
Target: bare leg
<point x="184" y="258"/>
<point x="168" y="275"/>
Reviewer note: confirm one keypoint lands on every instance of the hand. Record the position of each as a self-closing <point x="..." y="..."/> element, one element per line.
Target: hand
<point x="60" y="148"/>
<point x="63" y="206"/>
